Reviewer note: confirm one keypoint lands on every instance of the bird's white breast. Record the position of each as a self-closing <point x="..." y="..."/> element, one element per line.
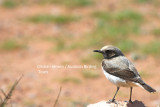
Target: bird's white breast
<point x="117" y="81"/>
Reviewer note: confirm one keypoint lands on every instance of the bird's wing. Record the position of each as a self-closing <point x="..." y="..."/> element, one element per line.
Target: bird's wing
<point x="122" y="68"/>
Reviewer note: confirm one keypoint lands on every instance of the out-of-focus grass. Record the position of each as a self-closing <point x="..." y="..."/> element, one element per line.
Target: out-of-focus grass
<point x="90" y="74"/>
<point x="151" y="2"/>
<point x="92" y="58"/>
<point x="68" y="3"/>
<point x="9" y="4"/>
<point x="12" y="3"/>
<point x="60" y="45"/>
<point x="119" y="23"/>
<point x="47" y="18"/>
<point x="70" y="79"/>
<point x="126" y="45"/>
<point x="85" y="60"/>
<point x="10" y="45"/>
<point x="97" y="56"/>
<point x="156" y="32"/>
<point x="102" y="15"/>
<point x="152" y="48"/>
<point x="128" y="16"/>
<point x="112" y="28"/>
<point x="143" y="74"/>
<point x="142" y="1"/>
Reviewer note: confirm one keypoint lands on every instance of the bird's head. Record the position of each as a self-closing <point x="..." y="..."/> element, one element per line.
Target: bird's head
<point x="109" y="52"/>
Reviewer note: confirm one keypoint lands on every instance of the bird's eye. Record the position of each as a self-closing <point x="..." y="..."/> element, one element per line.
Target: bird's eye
<point x="107" y="51"/>
<point x="110" y="53"/>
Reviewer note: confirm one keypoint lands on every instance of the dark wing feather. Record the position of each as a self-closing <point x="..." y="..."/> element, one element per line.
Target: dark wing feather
<point x="121" y="68"/>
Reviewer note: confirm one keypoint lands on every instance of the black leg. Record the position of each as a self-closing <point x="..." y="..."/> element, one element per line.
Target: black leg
<point x="130" y="96"/>
<point x="113" y="99"/>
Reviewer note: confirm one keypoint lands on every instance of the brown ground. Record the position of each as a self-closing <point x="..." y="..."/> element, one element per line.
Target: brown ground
<point x="40" y="90"/>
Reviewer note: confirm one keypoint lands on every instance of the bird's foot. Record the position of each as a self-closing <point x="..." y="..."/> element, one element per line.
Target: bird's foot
<point x="112" y="101"/>
<point x="130" y="101"/>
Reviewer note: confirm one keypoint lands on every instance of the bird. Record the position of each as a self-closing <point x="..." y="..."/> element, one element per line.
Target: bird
<point x="120" y="71"/>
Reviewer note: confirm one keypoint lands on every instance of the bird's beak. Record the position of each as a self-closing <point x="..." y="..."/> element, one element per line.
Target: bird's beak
<point x="98" y="51"/>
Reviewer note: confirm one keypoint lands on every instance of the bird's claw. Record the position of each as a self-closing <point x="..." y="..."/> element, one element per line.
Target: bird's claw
<point x="130" y="101"/>
<point x="112" y="101"/>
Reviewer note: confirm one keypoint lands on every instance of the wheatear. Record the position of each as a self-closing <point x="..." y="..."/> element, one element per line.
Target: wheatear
<point x="120" y="71"/>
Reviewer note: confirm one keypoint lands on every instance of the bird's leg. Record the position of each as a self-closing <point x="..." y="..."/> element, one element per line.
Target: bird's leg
<point x="113" y="99"/>
<point x="115" y="95"/>
<point x="130" y="96"/>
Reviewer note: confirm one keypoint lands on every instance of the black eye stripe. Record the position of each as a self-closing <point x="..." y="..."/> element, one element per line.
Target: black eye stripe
<point x="109" y="51"/>
<point x="111" y="54"/>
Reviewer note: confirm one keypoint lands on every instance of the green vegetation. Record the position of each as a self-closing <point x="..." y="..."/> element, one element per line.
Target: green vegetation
<point x="7" y="96"/>
<point x="142" y="1"/>
<point x="9" y="3"/>
<point x="70" y="79"/>
<point x="143" y="74"/>
<point x="152" y="48"/>
<point x="60" y="45"/>
<point x="10" y="45"/>
<point x="85" y="60"/>
<point x="12" y="3"/>
<point x="68" y="3"/>
<point x="97" y="56"/>
<point x="156" y="32"/>
<point x="116" y="25"/>
<point x="128" y="16"/>
<point x="102" y="15"/>
<point x="90" y="74"/>
<point x="119" y="23"/>
<point x="151" y="2"/>
<point x="126" y="45"/>
<point x="92" y="57"/>
<point x="112" y="28"/>
<point x="47" y="18"/>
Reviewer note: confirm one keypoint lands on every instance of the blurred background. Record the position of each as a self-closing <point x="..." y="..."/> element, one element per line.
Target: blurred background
<point x="64" y="32"/>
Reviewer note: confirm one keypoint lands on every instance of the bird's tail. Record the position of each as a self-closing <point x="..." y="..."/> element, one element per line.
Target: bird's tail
<point x="146" y="86"/>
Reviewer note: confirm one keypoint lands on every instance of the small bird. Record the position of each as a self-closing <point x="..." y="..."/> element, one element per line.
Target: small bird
<point x="120" y="71"/>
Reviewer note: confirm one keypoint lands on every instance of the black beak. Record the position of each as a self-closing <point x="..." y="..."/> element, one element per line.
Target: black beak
<point x="98" y="51"/>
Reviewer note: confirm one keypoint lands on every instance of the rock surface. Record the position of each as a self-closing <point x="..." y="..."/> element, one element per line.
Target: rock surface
<point x="118" y="104"/>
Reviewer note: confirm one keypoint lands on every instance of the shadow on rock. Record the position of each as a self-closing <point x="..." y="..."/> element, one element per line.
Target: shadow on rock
<point x="136" y="103"/>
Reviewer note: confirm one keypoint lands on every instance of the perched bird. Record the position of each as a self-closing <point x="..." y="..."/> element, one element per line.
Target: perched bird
<point x="120" y="71"/>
